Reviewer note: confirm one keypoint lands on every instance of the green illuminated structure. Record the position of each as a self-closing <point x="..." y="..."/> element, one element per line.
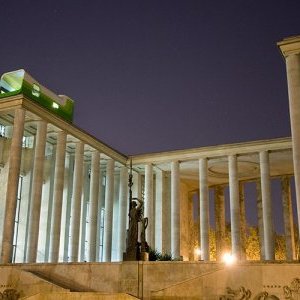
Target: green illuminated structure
<point x="20" y="82"/>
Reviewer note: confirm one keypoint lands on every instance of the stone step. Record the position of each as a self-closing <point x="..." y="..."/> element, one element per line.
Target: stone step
<point x="81" y="296"/>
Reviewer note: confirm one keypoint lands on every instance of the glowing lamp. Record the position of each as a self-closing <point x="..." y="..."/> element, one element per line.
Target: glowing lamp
<point x="229" y="258"/>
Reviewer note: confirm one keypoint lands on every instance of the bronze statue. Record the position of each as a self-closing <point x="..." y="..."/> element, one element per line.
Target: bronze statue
<point x="134" y="249"/>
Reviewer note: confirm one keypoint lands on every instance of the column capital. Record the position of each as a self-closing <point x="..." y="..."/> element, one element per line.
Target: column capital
<point x="289" y="46"/>
<point x="95" y="151"/>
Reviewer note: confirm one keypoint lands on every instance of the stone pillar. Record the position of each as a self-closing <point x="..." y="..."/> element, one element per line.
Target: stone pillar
<point x="93" y="207"/>
<point x="123" y="210"/>
<point x="50" y="200"/>
<point x="100" y="221"/>
<point x="243" y="224"/>
<point x="12" y="188"/>
<point x="260" y="224"/>
<point x="290" y="48"/>
<point x="159" y="206"/>
<point x="234" y="206"/>
<point x="204" y="209"/>
<point x="76" y="202"/>
<point x="175" y="209"/>
<point x="37" y="186"/>
<point x="58" y="196"/>
<point x="83" y="247"/>
<point x="108" y="218"/>
<point x="267" y="206"/>
<point x="220" y="221"/>
<point x="70" y="177"/>
<point x="149" y="205"/>
<point x="290" y="252"/>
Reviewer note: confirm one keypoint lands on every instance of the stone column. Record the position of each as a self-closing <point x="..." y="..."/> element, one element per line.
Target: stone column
<point x="290" y="252"/>
<point x="58" y="195"/>
<point x="175" y="209"/>
<point x="267" y="206"/>
<point x="49" y="199"/>
<point x="204" y="209"/>
<point x="123" y="210"/>
<point x="108" y="218"/>
<point x="149" y="205"/>
<point x="70" y="177"/>
<point x="12" y="188"/>
<point x="76" y="202"/>
<point x="100" y="216"/>
<point x="234" y="206"/>
<point x="159" y="201"/>
<point x="83" y="247"/>
<point x="260" y="224"/>
<point x="243" y="224"/>
<point x="290" y="48"/>
<point x="93" y="207"/>
<point x="37" y="186"/>
<point x="220" y="221"/>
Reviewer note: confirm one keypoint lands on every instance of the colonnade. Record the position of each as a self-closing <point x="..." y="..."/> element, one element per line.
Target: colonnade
<point x="238" y="223"/>
<point x="164" y="230"/>
<point x="73" y="222"/>
<point x="67" y="224"/>
<point x="76" y="209"/>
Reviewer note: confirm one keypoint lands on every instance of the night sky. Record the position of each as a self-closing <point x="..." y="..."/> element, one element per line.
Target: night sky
<point x="151" y="76"/>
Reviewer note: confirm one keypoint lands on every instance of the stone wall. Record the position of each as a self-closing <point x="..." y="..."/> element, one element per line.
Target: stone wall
<point x="159" y="280"/>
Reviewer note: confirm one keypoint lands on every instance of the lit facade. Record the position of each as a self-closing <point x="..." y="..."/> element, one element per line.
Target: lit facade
<point x="65" y="194"/>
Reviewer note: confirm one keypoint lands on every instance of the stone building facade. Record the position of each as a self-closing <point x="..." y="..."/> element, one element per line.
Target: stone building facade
<point x="64" y="194"/>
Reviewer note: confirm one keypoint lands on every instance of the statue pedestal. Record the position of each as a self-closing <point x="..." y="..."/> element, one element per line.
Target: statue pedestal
<point x="129" y="256"/>
<point x="144" y="256"/>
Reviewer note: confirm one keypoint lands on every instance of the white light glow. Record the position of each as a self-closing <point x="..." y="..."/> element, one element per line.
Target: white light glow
<point x="55" y="105"/>
<point x="198" y="251"/>
<point x="228" y="259"/>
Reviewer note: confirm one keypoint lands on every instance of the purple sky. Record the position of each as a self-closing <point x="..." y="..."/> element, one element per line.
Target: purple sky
<point x="157" y="75"/>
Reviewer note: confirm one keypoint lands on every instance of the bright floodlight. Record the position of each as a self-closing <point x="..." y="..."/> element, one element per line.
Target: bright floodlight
<point x="198" y="251"/>
<point x="229" y="258"/>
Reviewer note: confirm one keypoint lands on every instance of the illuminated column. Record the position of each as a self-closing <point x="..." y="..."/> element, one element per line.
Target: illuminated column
<point x="242" y="220"/>
<point x="109" y="202"/>
<point x="260" y="220"/>
<point x="76" y="202"/>
<point x="204" y="209"/>
<point x="37" y="186"/>
<point x="290" y="48"/>
<point x="123" y="211"/>
<point x="70" y="177"/>
<point x="288" y="218"/>
<point x="83" y="231"/>
<point x="234" y="206"/>
<point x="15" y="153"/>
<point x="267" y="205"/>
<point x="159" y="199"/>
<point x="149" y="205"/>
<point x="162" y="211"/>
<point x="58" y="196"/>
<point x="220" y="221"/>
<point x="175" y="209"/>
<point x="93" y="207"/>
